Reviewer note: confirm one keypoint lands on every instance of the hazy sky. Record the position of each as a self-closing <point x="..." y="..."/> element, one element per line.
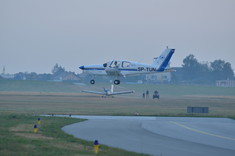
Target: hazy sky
<point x="37" y="34"/>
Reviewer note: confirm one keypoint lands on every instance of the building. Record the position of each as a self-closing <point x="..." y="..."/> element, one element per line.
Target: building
<point x="159" y="77"/>
<point x="6" y="76"/>
<point x="225" y="83"/>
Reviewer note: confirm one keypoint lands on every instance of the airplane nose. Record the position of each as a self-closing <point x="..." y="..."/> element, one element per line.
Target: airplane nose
<point x="82" y="67"/>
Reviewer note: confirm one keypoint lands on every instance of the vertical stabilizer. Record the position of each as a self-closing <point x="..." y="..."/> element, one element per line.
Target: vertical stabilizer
<point x="162" y="61"/>
<point x="112" y="88"/>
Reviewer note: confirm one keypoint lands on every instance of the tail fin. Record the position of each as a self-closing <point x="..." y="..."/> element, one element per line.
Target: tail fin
<point x="112" y="87"/>
<point x="162" y="61"/>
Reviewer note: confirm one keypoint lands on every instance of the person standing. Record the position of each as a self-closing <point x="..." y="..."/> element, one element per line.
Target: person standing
<point x="147" y="94"/>
<point x="143" y="95"/>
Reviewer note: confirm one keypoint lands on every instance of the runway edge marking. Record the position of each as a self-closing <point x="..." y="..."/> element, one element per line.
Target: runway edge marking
<point x="202" y="132"/>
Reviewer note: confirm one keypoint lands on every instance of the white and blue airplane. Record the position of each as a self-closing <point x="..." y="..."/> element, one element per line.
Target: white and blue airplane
<point x="121" y="68"/>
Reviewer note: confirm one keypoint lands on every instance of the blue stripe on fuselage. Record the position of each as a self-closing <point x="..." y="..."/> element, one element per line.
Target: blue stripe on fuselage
<point x="128" y="69"/>
<point x="93" y="68"/>
<point x="104" y="69"/>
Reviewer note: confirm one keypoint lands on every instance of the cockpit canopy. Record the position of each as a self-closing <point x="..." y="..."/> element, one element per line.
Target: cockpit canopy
<point x="117" y="64"/>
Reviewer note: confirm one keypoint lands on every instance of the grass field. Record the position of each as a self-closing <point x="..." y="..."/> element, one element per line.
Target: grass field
<point x="22" y="101"/>
<point x="56" y="87"/>
<point x="69" y="103"/>
<point x="40" y="97"/>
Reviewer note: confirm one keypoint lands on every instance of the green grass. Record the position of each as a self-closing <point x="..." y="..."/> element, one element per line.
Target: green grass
<point x="37" y="86"/>
<point x="66" y="87"/>
<point x="17" y="138"/>
<point x="66" y="103"/>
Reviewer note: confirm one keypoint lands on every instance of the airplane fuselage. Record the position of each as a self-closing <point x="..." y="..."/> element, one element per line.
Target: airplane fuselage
<point x="133" y="69"/>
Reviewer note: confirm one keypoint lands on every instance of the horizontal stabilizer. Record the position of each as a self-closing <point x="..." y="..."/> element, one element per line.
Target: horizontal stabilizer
<point x="169" y="70"/>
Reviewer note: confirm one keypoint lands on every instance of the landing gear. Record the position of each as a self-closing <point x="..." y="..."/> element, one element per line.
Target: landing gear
<point x="116" y="82"/>
<point x="92" y="81"/>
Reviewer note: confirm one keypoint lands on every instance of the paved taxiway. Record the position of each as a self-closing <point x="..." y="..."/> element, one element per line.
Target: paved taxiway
<point x="166" y="136"/>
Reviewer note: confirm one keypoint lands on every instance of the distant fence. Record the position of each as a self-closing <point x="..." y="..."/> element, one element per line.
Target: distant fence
<point x="225" y="83"/>
<point x="197" y="110"/>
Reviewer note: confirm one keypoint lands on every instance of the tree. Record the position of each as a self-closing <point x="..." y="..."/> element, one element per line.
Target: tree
<point x="204" y="73"/>
<point x="195" y="72"/>
<point x="221" y="70"/>
<point x="190" y="67"/>
<point x="57" y="69"/>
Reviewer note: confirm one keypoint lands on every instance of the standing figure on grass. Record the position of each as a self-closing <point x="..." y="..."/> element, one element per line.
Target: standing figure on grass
<point x="147" y="94"/>
<point x="143" y="95"/>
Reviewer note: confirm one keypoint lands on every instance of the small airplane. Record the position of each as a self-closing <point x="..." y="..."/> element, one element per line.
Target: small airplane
<point x="120" y="68"/>
<point x="108" y="92"/>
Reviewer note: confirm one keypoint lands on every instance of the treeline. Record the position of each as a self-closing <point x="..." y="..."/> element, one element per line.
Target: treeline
<point x="193" y="71"/>
<point x="58" y="74"/>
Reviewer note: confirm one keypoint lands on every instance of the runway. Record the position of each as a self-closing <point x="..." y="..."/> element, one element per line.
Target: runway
<point x="166" y="136"/>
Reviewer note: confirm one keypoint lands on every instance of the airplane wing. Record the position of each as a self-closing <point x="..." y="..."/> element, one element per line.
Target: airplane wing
<point x="123" y="92"/>
<point x="94" y="92"/>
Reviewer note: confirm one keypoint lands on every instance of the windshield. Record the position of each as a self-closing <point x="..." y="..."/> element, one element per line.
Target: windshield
<point x="115" y="64"/>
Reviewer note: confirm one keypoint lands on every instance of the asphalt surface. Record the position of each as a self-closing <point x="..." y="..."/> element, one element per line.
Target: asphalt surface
<point x="165" y="136"/>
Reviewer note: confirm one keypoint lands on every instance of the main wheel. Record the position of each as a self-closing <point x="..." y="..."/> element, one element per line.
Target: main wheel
<point x="116" y="82"/>
<point x="92" y="81"/>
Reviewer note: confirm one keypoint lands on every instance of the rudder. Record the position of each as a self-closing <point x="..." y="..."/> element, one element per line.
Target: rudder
<point x="162" y="61"/>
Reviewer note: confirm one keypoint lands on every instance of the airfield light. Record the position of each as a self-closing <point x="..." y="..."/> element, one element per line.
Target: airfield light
<point x="96" y="146"/>
<point x="35" y="129"/>
<point x="39" y="121"/>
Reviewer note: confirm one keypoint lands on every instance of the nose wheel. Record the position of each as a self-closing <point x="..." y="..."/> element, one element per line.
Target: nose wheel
<point x="92" y="81"/>
<point x="116" y="82"/>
